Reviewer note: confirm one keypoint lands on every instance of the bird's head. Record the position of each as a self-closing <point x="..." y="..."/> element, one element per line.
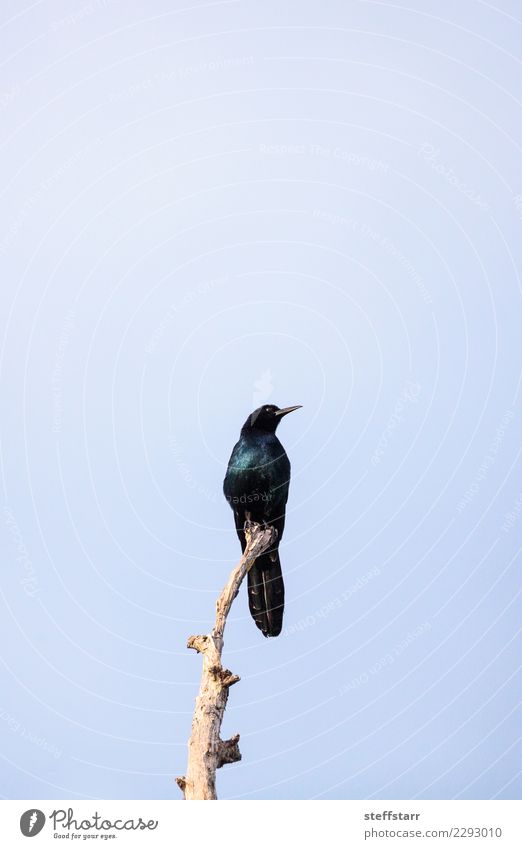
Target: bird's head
<point x="267" y="417"/>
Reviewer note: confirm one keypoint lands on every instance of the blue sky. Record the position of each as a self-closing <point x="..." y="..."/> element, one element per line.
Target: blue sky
<point x="211" y="207"/>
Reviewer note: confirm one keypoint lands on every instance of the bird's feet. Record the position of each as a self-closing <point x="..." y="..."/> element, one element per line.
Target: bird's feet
<point x="249" y="525"/>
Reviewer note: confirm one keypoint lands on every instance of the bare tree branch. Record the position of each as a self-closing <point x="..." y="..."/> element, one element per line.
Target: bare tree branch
<point x="207" y="751"/>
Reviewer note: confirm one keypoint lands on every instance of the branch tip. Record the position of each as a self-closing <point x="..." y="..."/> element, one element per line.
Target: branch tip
<point x="228" y="678"/>
<point x="228" y="751"/>
<point x="198" y="642"/>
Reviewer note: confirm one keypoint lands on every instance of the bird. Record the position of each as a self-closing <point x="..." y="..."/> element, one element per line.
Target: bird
<point x="256" y="487"/>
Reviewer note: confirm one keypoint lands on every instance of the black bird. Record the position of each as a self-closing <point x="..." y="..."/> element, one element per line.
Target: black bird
<point x="256" y="487"/>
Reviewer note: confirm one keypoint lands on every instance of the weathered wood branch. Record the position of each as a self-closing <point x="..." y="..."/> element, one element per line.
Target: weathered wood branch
<point x="207" y="751"/>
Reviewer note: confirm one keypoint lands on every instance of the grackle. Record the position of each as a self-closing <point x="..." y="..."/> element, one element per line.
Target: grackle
<point x="256" y="487"/>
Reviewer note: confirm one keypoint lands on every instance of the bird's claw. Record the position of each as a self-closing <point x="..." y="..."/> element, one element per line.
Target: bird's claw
<point x="250" y="526"/>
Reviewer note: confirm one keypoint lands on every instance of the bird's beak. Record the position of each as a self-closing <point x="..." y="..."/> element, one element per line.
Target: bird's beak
<point x="286" y="410"/>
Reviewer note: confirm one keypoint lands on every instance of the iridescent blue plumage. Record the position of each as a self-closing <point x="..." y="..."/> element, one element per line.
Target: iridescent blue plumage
<point x="256" y="487"/>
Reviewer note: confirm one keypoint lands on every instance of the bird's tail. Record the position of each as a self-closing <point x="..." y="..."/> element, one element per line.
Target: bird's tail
<point x="266" y="593"/>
